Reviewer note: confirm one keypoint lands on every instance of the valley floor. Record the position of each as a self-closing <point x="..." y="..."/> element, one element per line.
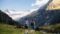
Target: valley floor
<point x="9" y="29"/>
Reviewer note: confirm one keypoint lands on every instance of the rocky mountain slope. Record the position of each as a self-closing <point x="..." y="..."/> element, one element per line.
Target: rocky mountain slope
<point x="4" y="18"/>
<point x="42" y="16"/>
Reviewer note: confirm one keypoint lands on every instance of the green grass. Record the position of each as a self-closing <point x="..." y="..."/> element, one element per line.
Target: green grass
<point x="51" y="28"/>
<point x="56" y="26"/>
<point x="9" y="29"/>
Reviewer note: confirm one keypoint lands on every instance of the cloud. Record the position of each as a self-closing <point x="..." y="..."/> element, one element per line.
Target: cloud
<point x="17" y="14"/>
<point x="38" y="4"/>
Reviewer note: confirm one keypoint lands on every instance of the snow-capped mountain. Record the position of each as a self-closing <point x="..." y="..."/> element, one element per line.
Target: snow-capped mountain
<point x="17" y="14"/>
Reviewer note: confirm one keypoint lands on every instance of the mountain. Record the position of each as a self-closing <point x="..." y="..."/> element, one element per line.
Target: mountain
<point x="16" y="14"/>
<point x="42" y="17"/>
<point x="54" y="16"/>
<point x="47" y="17"/>
<point x="39" y="16"/>
<point x="4" y="18"/>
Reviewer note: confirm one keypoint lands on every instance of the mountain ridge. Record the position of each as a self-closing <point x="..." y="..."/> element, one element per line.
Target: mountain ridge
<point x="6" y="19"/>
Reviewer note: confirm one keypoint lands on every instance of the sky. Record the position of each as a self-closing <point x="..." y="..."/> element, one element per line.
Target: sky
<point x="18" y="5"/>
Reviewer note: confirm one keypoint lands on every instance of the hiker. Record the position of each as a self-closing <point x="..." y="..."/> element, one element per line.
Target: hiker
<point x="33" y="25"/>
<point x="26" y="24"/>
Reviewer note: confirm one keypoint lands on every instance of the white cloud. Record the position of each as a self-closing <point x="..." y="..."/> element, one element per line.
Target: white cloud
<point x="17" y="14"/>
<point x="38" y="4"/>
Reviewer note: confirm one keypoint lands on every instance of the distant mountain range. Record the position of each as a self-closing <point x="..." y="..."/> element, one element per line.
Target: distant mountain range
<point x="14" y="14"/>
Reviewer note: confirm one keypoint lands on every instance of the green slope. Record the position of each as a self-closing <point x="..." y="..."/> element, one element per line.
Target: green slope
<point x="51" y="28"/>
<point x="9" y="29"/>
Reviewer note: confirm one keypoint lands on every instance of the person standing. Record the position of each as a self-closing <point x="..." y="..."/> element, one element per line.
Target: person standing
<point x="27" y="24"/>
<point x="33" y="24"/>
<point x="27" y="27"/>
